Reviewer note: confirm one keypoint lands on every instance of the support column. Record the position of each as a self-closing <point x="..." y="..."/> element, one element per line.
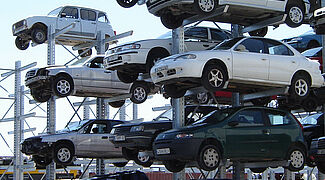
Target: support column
<point x="101" y="114"/>
<point x="135" y="111"/>
<point x="122" y="113"/>
<point x="86" y="110"/>
<point x="18" y="124"/>
<point x="321" y="175"/>
<point x="238" y="171"/>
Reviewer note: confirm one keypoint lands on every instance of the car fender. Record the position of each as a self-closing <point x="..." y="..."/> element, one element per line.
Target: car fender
<point x="30" y="21"/>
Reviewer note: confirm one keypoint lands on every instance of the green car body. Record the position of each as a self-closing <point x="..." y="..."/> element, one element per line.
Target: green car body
<point x="246" y="134"/>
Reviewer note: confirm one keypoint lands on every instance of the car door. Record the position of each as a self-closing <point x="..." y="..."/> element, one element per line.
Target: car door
<point x="66" y="17"/>
<point x="88" y="19"/>
<point x="283" y="63"/>
<point x="246" y="130"/>
<point x="244" y="2"/>
<point x="250" y="60"/>
<point x="118" y="86"/>
<point x="197" y="39"/>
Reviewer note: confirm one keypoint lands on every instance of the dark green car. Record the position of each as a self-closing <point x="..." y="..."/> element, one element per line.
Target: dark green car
<point x="245" y="134"/>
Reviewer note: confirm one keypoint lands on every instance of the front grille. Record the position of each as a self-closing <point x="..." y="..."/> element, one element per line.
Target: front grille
<point x="159" y="74"/>
<point x="31" y="73"/>
<point x="321" y="144"/>
<point x="19" y="24"/>
<point x="121" y="130"/>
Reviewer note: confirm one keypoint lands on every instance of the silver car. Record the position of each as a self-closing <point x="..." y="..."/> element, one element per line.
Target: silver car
<point x="83" y="139"/>
<point x="85" y="77"/>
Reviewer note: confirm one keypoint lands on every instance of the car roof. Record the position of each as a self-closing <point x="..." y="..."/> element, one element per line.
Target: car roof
<point x="84" y="8"/>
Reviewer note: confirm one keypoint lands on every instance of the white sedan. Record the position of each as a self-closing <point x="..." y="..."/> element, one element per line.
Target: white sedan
<point x="244" y="64"/>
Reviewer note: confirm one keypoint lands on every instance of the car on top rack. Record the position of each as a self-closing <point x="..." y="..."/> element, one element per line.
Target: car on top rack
<point x="243" y="64"/>
<point x="133" y="58"/>
<point x="87" y="22"/>
<point x="84" y="77"/>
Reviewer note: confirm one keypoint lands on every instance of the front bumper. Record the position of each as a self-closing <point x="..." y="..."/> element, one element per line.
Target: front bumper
<point x="142" y="142"/>
<point x="177" y="149"/>
<point x="36" y="81"/>
<point x="116" y="60"/>
<point x="32" y="147"/>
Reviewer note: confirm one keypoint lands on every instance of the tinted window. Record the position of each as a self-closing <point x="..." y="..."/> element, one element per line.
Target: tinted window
<point x="312" y="119"/>
<point x="252" y="45"/>
<point x="315" y="52"/>
<point x="97" y="128"/>
<point x="277" y="48"/>
<point x="218" y="35"/>
<point x="279" y="118"/>
<point x="102" y="18"/>
<point x="69" y="12"/>
<point x="88" y="15"/>
<point x="196" y="33"/>
<point x="227" y="44"/>
<point x="97" y="63"/>
<point x="249" y="117"/>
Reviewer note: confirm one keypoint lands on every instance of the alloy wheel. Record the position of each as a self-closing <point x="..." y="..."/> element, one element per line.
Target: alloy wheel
<point x="63" y="86"/>
<point x="295" y="14"/>
<point x="64" y="154"/>
<point x="206" y="5"/>
<point x="297" y="159"/>
<point x="210" y="157"/>
<point x="139" y="93"/>
<point x="143" y="158"/>
<point x="301" y="87"/>
<point x="216" y="78"/>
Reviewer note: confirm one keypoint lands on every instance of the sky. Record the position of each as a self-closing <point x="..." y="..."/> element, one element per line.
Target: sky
<point x="137" y="18"/>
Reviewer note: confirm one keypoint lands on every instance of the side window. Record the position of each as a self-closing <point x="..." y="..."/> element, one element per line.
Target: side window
<point x="88" y="15"/>
<point x="218" y="35"/>
<point x="197" y="33"/>
<point x="277" y="48"/>
<point x="251" y="45"/>
<point x="279" y="118"/>
<point x="70" y="12"/>
<point x="250" y="117"/>
<point x="102" y="18"/>
<point x="97" y="63"/>
<point x="97" y="128"/>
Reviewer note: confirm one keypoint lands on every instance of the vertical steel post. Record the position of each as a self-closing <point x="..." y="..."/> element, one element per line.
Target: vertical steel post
<point x="86" y="110"/>
<point x="321" y="175"/>
<point x="18" y="124"/>
<point x="122" y="113"/>
<point x="135" y="111"/>
<point x="51" y="109"/>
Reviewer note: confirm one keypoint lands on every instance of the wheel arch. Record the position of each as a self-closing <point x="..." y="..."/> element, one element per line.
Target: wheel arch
<point x="297" y="144"/>
<point x="304" y="73"/>
<point x="157" y="49"/>
<point x="40" y="25"/>
<point x="67" y="142"/>
<point x="312" y="43"/>
<point x="217" y="62"/>
<point x="65" y="74"/>
<point x="212" y="141"/>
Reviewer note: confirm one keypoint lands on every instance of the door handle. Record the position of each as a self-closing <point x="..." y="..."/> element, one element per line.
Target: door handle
<point x="293" y="62"/>
<point x="77" y="21"/>
<point x="263" y="59"/>
<point x="104" y="137"/>
<point x="107" y="71"/>
<point x="205" y="45"/>
<point x="266" y="131"/>
<point x="93" y="23"/>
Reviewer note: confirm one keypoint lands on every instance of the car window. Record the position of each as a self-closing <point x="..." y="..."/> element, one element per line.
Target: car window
<point x="251" y="45"/>
<point x="249" y="117"/>
<point x="70" y="12"/>
<point x="55" y="12"/>
<point x="279" y="118"/>
<point x="97" y="128"/>
<point x="218" y="35"/>
<point x="102" y="17"/>
<point x="314" y="52"/>
<point x="277" y="48"/>
<point x="227" y="44"/>
<point x="88" y="15"/>
<point x="96" y="63"/>
<point x="311" y="119"/>
<point x="196" y="33"/>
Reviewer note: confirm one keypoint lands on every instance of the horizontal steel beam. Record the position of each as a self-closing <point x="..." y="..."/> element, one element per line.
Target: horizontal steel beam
<point x="24" y="131"/>
<point x="22" y="117"/>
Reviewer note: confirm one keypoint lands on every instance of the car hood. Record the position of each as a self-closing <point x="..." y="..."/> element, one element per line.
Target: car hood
<point x="142" y="123"/>
<point x="145" y="41"/>
<point x="184" y="129"/>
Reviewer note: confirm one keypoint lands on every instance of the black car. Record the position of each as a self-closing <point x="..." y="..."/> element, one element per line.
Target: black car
<point x="136" y="138"/>
<point x="313" y="127"/>
<point x="317" y="152"/>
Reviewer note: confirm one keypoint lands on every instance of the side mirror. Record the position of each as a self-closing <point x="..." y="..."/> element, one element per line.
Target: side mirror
<point x="63" y="14"/>
<point x="233" y="123"/>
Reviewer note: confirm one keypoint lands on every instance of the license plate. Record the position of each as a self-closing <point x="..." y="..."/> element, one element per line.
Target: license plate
<point x="163" y="151"/>
<point x="119" y="138"/>
<point x="321" y="151"/>
<point x="161" y="68"/>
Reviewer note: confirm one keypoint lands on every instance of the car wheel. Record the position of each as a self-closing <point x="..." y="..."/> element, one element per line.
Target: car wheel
<point x="205" y="7"/>
<point x="257" y="170"/>
<point x="202" y="98"/>
<point x="38" y="35"/>
<point x="295" y="15"/>
<point x="312" y="44"/>
<point x="259" y="32"/>
<point x="297" y="158"/>
<point x="63" y="154"/>
<point x="174" y="165"/>
<point x="88" y="53"/>
<point x="62" y="86"/>
<point x="39" y="96"/>
<point x="41" y="161"/>
<point x="145" y="161"/>
<point x="127" y="3"/>
<point x="170" y="21"/>
<point x="127" y="77"/>
<point x="213" y="78"/>
<point x="174" y="91"/>
<point x="310" y="162"/>
<point x="117" y="104"/>
<point x="209" y="157"/>
<point x="154" y="56"/>
<point x="300" y="87"/>
<point x="261" y="101"/>
<point x="309" y="104"/>
<point x="120" y="164"/>
<point x="139" y="92"/>
<point x="321" y="167"/>
<point x="129" y="154"/>
<point x="21" y="44"/>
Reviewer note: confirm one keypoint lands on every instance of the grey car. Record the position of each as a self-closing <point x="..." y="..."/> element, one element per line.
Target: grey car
<point x="85" y="77"/>
<point x="84" y="139"/>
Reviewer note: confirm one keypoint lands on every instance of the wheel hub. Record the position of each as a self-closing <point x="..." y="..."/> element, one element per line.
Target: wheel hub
<point x="206" y="5"/>
<point x="139" y="93"/>
<point x="215" y="78"/>
<point x="63" y="86"/>
<point x="64" y="154"/>
<point x="143" y="158"/>
<point x="210" y="157"/>
<point x="295" y="15"/>
<point x="297" y="159"/>
<point x="39" y="36"/>
<point x="301" y="87"/>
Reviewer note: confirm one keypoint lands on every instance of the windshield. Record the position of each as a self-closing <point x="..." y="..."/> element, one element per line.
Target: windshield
<point x="167" y="35"/>
<point x="215" y="116"/>
<point x="227" y="44"/>
<point x="74" y="126"/>
<point x="310" y="119"/>
<point x="311" y="52"/>
<point x="166" y="115"/>
<point x="55" y="12"/>
<point x="78" y="61"/>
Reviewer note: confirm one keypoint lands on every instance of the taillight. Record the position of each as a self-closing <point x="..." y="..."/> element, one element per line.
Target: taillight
<point x="115" y="33"/>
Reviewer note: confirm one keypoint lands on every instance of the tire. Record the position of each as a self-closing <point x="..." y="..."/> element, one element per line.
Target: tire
<point x="117" y="104"/>
<point x="88" y="53"/>
<point x="62" y="86"/>
<point x="127" y="77"/>
<point x="310" y="162"/>
<point x="297" y="157"/>
<point x="41" y="161"/>
<point x="39" y="96"/>
<point x="120" y="164"/>
<point x="126" y="3"/>
<point x="202" y="98"/>
<point x="309" y="104"/>
<point x="170" y="21"/>
<point x="154" y="56"/>
<point x="63" y="154"/>
<point x="174" y="91"/>
<point x="295" y="14"/>
<point x="257" y="170"/>
<point x="259" y="32"/>
<point x="174" y="165"/>
<point x="261" y="101"/>
<point x="321" y="167"/>
<point x="213" y="77"/>
<point x="209" y="157"/>
<point x="312" y="44"/>
<point x="139" y="92"/>
<point x="143" y="161"/>
<point x="39" y="36"/>
<point x="205" y="7"/>
<point x="129" y="154"/>
<point x="21" y="44"/>
<point x="300" y="87"/>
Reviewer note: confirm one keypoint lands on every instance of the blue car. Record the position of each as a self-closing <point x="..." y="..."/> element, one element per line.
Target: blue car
<point x="305" y="41"/>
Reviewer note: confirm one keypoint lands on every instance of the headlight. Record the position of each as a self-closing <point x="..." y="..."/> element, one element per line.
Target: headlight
<point x="130" y="46"/>
<point x="186" y="56"/>
<point x="137" y="128"/>
<point x="112" y="131"/>
<point x="184" y="135"/>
